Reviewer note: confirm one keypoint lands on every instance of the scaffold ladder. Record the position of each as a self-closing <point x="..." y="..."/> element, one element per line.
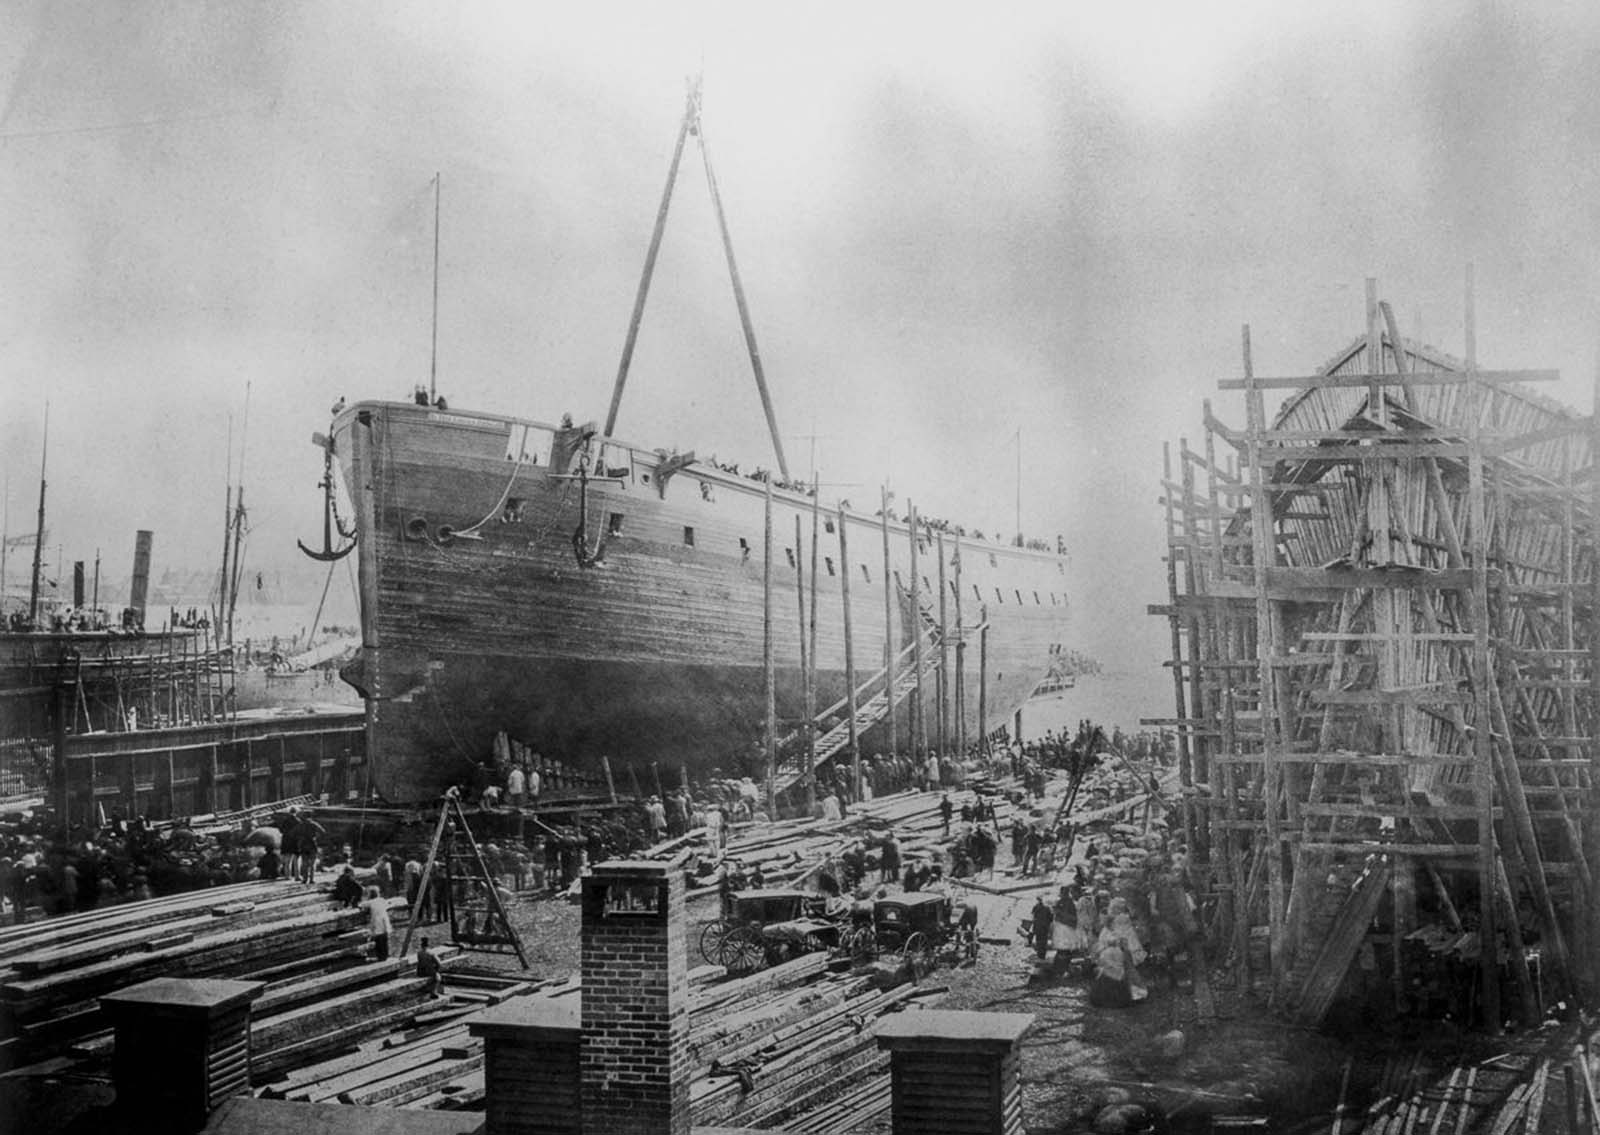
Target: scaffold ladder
<point x="477" y="917"/>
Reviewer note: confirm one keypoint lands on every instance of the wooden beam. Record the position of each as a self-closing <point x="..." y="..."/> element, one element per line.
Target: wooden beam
<point x="1418" y="378"/>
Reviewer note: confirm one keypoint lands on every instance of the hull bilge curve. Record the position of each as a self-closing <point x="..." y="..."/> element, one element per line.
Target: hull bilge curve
<point x="589" y="596"/>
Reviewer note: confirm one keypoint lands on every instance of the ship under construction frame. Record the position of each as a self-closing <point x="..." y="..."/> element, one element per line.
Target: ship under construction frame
<point x="1385" y="633"/>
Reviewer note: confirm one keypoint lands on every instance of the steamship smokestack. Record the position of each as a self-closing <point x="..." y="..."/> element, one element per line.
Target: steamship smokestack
<point x="77" y="583"/>
<point x="141" y="572"/>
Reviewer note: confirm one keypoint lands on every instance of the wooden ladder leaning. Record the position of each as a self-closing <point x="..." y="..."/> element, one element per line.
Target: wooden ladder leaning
<point x="478" y="918"/>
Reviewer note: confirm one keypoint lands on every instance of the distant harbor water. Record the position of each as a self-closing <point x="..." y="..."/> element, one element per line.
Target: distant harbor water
<point x="1111" y="698"/>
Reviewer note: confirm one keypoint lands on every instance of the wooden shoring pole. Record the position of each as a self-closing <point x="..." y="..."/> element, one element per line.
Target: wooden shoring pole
<point x="1569" y="579"/>
<point x="1569" y="825"/>
<point x="961" y="659"/>
<point x="918" y="726"/>
<point x="1220" y="688"/>
<point x="1482" y="742"/>
<point x="810" y="630"/>
<point x="1264" y="548"/>
<point x="889" y="644"/>
<point x="1591" y="826"/>
<point x="942" y="733"/>
<point x="1526" y="996"/>
<point x="1175" y="630"/>
<point x="849" y="654"/>
<point x="803" y="757"/>
<point x="983" y="676"/>
<point x="1524" y="844"/>
<point x="1304" y="879"/>
<point x="768" y="664"/>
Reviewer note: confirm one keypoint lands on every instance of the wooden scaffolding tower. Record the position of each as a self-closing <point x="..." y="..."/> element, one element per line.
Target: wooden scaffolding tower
<point x="1385" y="621"/>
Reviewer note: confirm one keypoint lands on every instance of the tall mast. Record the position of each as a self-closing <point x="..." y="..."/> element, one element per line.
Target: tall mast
<point x="38" y="536"/>
<point x="5" y="538"/>
<point x="433" y="361"/>
<point x="238" y="518"/>
<point x="227" y="535"/>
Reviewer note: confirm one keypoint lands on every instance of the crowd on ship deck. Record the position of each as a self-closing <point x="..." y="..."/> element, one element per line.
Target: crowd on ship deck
<point x="926" y="523"/>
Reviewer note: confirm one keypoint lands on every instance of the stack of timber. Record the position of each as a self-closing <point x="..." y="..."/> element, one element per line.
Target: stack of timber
<point x="796" y="1055"/>
<point x="1517" y="1091"/>
<point x="50" y="986"/>
<point x="763" y="1048"/>
<point x="416" y="1054"/>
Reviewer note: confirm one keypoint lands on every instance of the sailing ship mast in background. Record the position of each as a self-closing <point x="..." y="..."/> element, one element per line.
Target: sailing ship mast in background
<point x="233" y="533"/>
<point x="38" y="534"/>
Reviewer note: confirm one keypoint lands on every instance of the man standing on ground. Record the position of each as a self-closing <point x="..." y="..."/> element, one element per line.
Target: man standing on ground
<point x="413" y="871"/>
<point x="378" y="924"/>
<point x="890" y="867"/>
<point x="656" y="817"/>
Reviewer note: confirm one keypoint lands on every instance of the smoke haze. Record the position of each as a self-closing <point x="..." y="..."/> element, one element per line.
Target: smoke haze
<point x="963" y="240"/>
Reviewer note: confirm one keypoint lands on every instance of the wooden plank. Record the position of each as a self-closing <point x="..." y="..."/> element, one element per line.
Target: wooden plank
<point x="1416" y="378"/>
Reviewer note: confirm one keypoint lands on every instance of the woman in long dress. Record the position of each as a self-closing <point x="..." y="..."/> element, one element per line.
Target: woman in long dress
<point x="1120" y="929"/>
<point x="1066" y="935"/>
<point x="1110" y="988"/>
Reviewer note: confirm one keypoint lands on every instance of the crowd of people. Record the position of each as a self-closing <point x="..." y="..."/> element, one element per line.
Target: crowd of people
<point x="52" y="871"/>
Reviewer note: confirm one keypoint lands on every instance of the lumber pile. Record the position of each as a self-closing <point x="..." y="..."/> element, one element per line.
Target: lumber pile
<point x="764" y="1047"/>
<point x="52" y="974"/>
<point x="407" y="1051"/>
<point x="1506" y="1093"/>
<point x="822" y="1045"/>
<point x="76" y="929"/>
<point x="52" y="996"/>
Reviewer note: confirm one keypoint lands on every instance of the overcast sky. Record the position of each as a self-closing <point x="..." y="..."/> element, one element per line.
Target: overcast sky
<point x="950" y="227"/>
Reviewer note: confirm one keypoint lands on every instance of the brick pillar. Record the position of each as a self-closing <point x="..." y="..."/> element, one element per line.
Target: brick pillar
<point x="955" y="1073"/>
<point x="182" y="1047"/>
<point x="633" y="1057"/>
<point x="530" y="1066"/>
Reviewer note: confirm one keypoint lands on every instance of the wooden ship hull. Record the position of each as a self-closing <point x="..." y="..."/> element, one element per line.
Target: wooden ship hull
<point x="593" y="598"/>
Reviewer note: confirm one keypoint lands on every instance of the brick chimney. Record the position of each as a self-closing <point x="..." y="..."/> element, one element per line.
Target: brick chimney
<point x="530" y="1066"/>
<point x="182" y="1047"/>
<point x="633" y="1056"/>
<point x="955" y="1073"/>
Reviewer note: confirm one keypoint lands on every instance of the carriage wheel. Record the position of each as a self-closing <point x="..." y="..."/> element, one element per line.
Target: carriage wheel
<point x="742" y="951"/>
<point x="919" y="952"/>
<point x="711" y="941"/>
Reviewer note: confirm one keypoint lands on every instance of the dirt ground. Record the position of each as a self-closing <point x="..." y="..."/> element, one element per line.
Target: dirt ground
<point x="1077" y="1058"/>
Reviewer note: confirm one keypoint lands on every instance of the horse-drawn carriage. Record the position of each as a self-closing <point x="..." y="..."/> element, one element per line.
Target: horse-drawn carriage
<point x="767" y="927"/>
<point x="922" y="928"/>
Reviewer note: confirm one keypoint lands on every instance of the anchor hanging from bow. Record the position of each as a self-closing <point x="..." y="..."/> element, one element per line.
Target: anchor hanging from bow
<point x="330" y="515"/>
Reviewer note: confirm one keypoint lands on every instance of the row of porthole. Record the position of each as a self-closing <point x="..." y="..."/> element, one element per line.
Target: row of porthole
<point x="614" y="528"/>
